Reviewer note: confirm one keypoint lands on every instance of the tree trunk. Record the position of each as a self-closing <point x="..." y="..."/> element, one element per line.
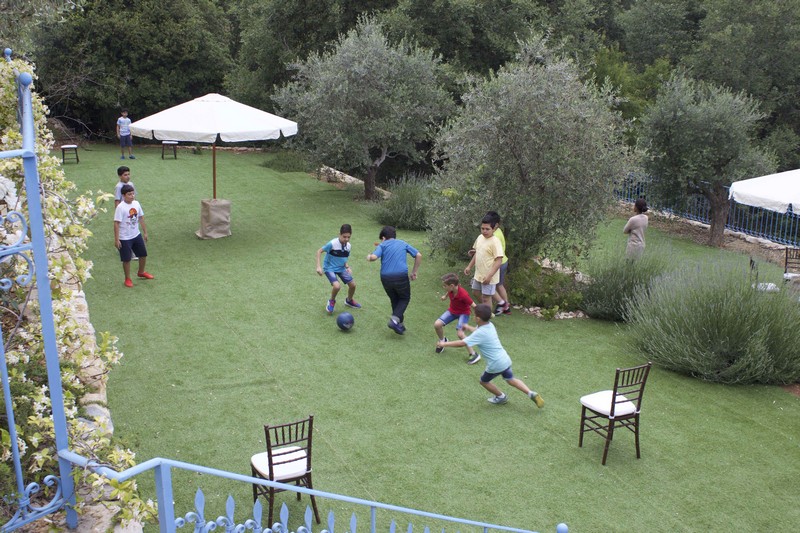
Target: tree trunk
<point x="369" y="183"/>
<point x="720" y="205"/>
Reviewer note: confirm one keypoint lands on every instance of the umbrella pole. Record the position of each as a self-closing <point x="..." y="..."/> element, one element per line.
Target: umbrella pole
<point x="214" y="164"/>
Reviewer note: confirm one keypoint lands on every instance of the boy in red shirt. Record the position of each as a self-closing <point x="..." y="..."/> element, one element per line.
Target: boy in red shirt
<point x="460" y="306"/>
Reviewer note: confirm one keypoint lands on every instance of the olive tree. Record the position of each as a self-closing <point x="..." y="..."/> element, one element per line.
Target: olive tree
<point x="699" y="139"/>
<point x="364" y="101"/>
<point x="537" y="144"/>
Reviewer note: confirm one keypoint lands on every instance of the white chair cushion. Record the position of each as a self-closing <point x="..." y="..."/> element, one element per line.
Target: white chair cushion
<point x="295" y="468"/>
<point x="169" y="142"/>
<point x="66" y="146"/>
<point x="600" y="402"/>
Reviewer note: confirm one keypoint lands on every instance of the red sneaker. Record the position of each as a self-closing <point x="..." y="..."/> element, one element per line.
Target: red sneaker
<point x="128" y="282"/>
<point x="145" y="275"/>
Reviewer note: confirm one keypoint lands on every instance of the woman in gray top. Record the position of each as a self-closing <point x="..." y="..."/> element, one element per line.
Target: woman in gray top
<point x="634" y="229"/>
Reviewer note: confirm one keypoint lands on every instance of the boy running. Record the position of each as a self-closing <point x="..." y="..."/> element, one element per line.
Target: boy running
<point x="337" y="252"/>
<point x="498" y="363"/>
<point x="460" y="306"/>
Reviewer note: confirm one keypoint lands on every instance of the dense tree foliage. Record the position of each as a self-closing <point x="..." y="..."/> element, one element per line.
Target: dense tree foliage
<point x="143" y="56"/>
<point x="365" y="101"/>
<point x="700" y="138"/>
<point x="471" y="35"/>
<point x="19" y="20"/>
<point x="274" y="34"/>
<point x="537" y="144"/>
<point x="660" y="29"/>
<point x="754" y="47"/>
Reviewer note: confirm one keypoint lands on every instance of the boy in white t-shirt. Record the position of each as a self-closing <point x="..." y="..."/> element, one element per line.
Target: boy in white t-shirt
<point x="128" y="217"/>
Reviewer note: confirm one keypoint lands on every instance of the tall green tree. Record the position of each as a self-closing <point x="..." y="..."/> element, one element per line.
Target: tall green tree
<point x="273" y="35"/>
<point x="581" y="27"/>
<point x="660" y="29"/>
<point x="364" y="101"/>
<point x="19" y="20"/>
<point x="754" y="47"/>
<point x="537" y="144"/>
<point x="471" y="35"/>
<point x="276" y="33"/>
<point x="144" y="56"/>
<point x="700" y="138"/>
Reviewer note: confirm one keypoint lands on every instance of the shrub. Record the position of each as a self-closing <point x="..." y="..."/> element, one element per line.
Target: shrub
<point x="406" y="207"/>
<point x="615" y="279"/>
<point x="287" y="161"/>
<point x="531" y="285"/>
<point x="711" y="323"/>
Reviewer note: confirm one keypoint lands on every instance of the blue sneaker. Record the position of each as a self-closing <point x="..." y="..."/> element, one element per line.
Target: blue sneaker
<point x="352" y="303"/>
<point x="395" y="326"/>
<point x="122" y="157"/>
<point x="329" y="306"/>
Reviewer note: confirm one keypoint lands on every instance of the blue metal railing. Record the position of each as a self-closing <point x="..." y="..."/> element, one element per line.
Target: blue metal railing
<point x="783" y="228"/>
<point x="168" y="521"/>
<point x="63" y="495"/>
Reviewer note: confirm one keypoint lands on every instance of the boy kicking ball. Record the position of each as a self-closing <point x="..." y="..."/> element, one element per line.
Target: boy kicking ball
<point x="337" y="254"/>
<point x="460" y="307"/>
<point x="498" y="363"/>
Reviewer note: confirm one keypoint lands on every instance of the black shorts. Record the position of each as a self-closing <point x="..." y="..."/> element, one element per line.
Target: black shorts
<point x="132" y="246"/>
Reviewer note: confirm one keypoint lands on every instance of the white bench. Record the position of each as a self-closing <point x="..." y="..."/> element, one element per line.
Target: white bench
<point x="165" y="146"/>
<point x="70" y="150"/>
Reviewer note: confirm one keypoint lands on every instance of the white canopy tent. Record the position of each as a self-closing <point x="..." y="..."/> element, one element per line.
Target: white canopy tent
<point x="204" y="120"/>
<point x="775" y="192"/>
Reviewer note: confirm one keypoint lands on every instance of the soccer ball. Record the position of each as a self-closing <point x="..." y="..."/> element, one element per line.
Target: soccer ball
<point x="345" y="321"/>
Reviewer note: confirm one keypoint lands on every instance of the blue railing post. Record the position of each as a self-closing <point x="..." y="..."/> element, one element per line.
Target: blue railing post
<point x="166" y="507"/>
<point x="64" y="485"/>
<point x="36" y="221"/>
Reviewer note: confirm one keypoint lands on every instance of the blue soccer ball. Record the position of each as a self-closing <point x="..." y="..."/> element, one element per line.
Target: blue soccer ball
<point x="345" y="321"/>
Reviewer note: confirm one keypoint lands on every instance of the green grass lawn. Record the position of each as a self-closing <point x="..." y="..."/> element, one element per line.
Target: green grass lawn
<point x="232" y="334"/>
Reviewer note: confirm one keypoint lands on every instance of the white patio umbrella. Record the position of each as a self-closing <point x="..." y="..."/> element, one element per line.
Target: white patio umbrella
<point x="204" y="120"/>
<point x="775" y="192"/>
<point x="212" y="117"/>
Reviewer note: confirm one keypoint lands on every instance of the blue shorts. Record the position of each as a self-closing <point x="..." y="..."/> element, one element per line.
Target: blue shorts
<point x="486" y="289"/>
<point x="448" y="317"/>
<point x="503" y="271"/>
<point x="346" y="277"/>
<point x="135" y="245"/>
<point x="507" y="374"/>
<point x="125" y="140"/>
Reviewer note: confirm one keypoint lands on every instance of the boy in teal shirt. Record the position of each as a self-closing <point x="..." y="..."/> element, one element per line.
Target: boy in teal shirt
<point x="498" y="362"/>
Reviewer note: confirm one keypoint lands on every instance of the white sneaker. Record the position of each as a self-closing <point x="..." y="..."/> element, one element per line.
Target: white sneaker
<point x="498" y="400"/>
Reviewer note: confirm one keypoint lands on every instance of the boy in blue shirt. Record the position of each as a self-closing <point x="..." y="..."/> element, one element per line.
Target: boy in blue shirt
<point x="394" y="273"/>
<point x="498" y="363"/>
<point x="337" y="253"/>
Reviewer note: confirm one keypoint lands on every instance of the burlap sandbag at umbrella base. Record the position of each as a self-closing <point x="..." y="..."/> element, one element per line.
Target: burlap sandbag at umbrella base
<point x="215" y="219"/>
